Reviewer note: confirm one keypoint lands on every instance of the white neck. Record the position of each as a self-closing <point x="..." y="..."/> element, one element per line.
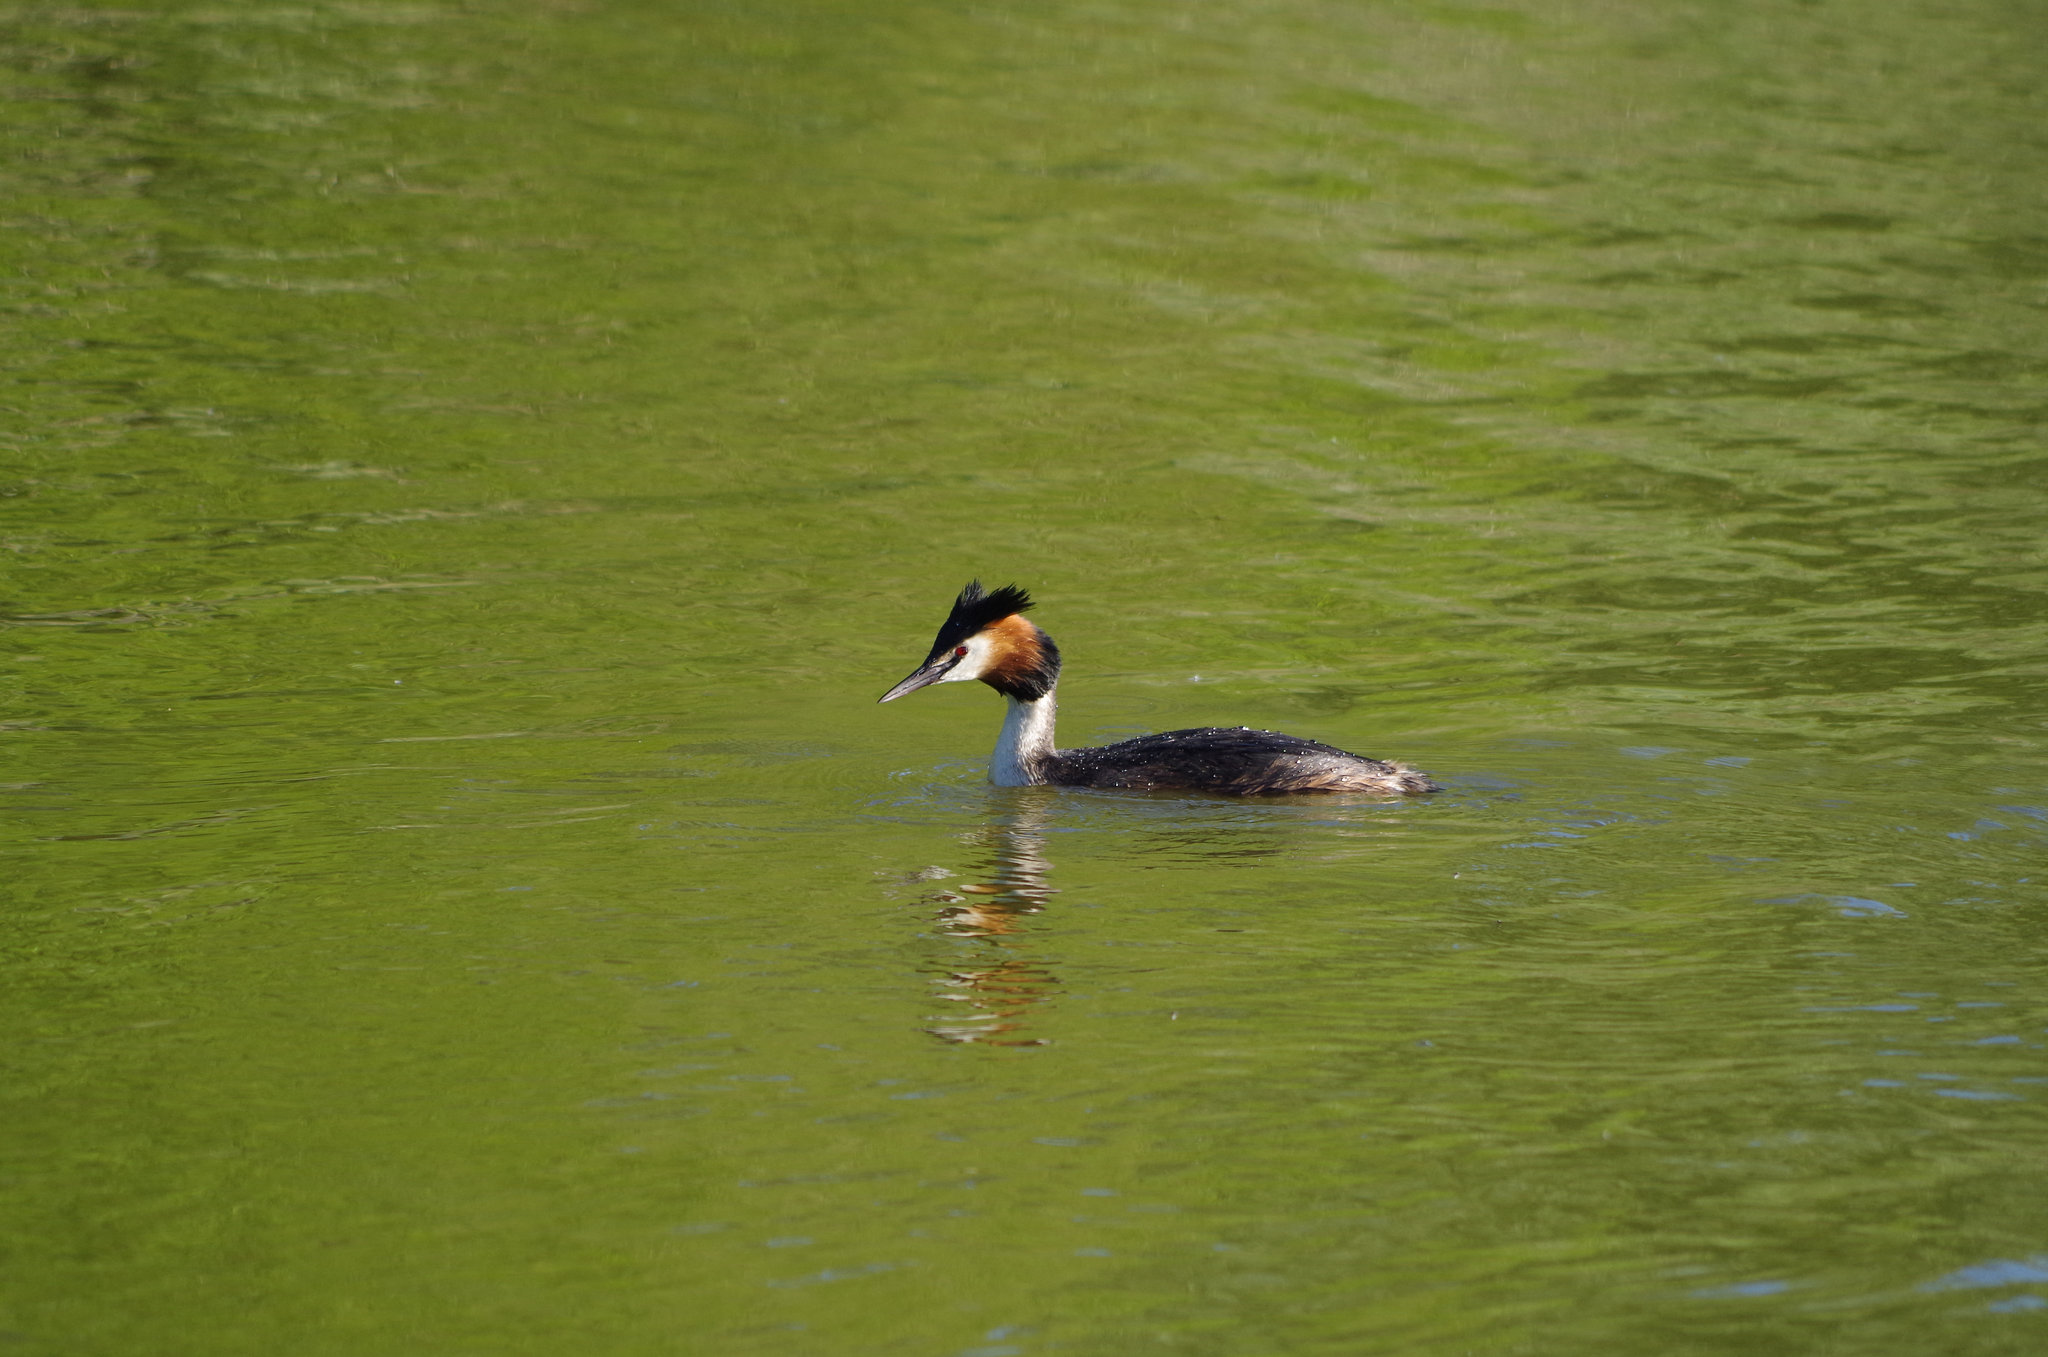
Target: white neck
<point x="1025" y="747"/>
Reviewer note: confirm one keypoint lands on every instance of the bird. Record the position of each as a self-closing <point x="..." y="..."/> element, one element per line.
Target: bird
<point x="987" y="637"/>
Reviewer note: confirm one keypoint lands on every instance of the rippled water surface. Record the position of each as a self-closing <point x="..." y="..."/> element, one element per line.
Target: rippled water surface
<point x="471" y="469"/>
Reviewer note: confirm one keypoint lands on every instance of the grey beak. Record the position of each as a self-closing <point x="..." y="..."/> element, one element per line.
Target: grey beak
<point x="931" y="671"/>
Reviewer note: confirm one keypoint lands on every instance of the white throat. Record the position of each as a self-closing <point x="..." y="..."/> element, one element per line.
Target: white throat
<point x="1024" y="749"/>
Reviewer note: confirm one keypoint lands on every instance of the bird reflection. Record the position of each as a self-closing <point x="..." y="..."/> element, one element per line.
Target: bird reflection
<point x="996" y="998"/>
<point x="991" y="982"/>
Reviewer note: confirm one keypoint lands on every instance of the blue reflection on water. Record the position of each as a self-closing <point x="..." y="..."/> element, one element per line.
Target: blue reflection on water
<point x="1997" y="1272"/>
<point x="2014" y="1304"/>
<point x="1742" y="1289"/>
<point x="1848" y="906"/>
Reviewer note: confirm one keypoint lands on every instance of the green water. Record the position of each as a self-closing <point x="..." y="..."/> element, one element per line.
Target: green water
<point x="472" y="468"/>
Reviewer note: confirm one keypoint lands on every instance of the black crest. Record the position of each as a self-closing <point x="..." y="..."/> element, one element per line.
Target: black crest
<point x="975" y="609"/>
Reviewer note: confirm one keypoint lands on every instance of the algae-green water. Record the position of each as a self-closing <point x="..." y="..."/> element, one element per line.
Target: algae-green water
<point x="471" y="469"/>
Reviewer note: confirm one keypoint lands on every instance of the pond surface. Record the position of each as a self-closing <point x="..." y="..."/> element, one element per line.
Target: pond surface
<point x="471" y="470"/>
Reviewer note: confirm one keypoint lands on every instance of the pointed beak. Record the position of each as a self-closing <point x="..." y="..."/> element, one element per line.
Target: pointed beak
<point x="931" y="671"/>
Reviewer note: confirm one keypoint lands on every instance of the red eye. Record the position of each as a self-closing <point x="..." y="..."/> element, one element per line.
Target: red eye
<point x="959" y="650"/>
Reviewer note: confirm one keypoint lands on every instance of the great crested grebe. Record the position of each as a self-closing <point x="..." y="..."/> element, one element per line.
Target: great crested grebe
<point x="986" y="637"/>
